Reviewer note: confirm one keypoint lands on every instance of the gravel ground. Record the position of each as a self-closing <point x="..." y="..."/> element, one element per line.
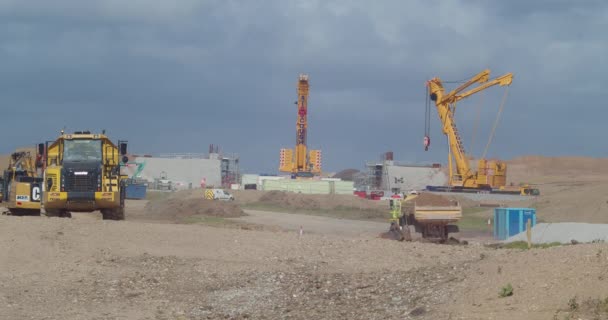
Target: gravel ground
<point x="73" y="268"/>
<point x="84" y="268"/>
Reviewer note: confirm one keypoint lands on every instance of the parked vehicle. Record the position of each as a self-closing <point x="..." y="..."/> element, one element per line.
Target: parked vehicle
<point x="218" y="194"/>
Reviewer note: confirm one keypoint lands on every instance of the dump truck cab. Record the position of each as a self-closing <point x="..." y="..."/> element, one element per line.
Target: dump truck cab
<point x="82" y="174"/>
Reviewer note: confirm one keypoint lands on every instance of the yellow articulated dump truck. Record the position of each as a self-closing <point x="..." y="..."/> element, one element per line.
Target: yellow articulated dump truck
<point x="433" y="219"/>
<point x="82" y="174"/>
<point x="22" y="184"/>
<point x="436" y="222"/>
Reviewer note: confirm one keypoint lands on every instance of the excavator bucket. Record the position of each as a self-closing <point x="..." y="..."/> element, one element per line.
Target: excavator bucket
<point x="395" y="233"/>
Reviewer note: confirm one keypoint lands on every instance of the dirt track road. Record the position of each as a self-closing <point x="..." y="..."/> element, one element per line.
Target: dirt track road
<point x="315" y="224"/>
<point x="341" y="227"/>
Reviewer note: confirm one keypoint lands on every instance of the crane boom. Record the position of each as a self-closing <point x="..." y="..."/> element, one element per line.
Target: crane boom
<point x="493" y="176"/>
<point x="301" y="163"/>
<point x="478" y="78"/>
<point x="302" y="124"/>
<point x="504" y="80"/>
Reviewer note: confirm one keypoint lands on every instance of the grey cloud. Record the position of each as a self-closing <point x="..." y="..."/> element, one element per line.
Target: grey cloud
<point x="175" y="76"/>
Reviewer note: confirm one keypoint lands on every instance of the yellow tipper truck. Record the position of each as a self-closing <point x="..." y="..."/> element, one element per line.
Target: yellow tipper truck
<point x="22" y="184"/>
<point x="82" y="174"/>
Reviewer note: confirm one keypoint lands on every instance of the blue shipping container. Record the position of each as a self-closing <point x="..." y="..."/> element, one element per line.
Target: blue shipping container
<point x="511" y="221"/>
<point x="136" y="191"/>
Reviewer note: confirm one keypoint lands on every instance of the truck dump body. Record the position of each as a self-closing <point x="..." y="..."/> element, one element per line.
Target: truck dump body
<point x="432" y="215"/>
<point x="438" y="214"/>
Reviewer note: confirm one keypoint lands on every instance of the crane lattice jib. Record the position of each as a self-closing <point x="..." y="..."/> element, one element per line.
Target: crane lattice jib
<point x="445" y="104"/>
<point x="302" y="123"/>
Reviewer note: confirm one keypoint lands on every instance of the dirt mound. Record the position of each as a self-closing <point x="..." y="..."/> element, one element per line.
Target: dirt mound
<point x="336" y="205"/>
<point x="4" y="161"/>
<point x="5" y="158"/>
<point x="296" y="200"/>
<point x="346" y="175"/>
<point x="531" y="168"/>
<point x="583" y="164"/>
<point x="246" y="196"/>
<point x="430" y="199"/>
<point x="177" y="208"/>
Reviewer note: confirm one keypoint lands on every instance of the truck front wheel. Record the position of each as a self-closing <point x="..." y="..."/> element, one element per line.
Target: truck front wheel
<point x="113" y="214"/>
<point x="60" y="213"/>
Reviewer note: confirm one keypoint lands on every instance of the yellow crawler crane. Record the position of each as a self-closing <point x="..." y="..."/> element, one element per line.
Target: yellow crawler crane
<point x="301" y="163"/>
<point x="489" y="174"/>
<point x="82" y="174"/>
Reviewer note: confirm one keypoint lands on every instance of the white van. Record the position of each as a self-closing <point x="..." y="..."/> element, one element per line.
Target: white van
<point x="218" y="194"/>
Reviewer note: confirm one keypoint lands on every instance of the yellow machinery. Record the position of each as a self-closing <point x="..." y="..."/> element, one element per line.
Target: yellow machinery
<point x="433" y="222"/>
<point x="523" y="190"/>
<point x="489" y="174"/>
<point x="22" y="184"/>
<point x="436" y="221"/>
<point x="82" y="174"/>
<point x="300" y="163"/>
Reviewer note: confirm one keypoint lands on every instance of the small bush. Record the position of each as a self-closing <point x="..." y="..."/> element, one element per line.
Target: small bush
<point x="591" y="308"/>
<point x="506" y="291"/>
<point x="602" y="306"/>
<point x="573" y="304"/>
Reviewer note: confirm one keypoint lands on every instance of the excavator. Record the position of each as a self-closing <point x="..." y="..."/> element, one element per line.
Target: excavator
<point x="301" y="164"/>
<point x="490" y="175"/>
<point x="22" y="183"/>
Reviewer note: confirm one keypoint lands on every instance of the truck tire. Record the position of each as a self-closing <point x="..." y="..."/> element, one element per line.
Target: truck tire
<point x="23" y="212"/>
<point x="403" y="221"/>
<point x="113" y="214"/>
<point x="57" y="213"/>
<point x="117" y="213"/>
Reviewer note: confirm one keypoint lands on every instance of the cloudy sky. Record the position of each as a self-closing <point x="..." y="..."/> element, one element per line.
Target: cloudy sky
<point x="176" y="76"/>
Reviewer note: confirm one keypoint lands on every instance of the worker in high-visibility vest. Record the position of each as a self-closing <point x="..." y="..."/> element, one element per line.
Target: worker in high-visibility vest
<point x="395" y="229"/>
<point x="395" y="205"/>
